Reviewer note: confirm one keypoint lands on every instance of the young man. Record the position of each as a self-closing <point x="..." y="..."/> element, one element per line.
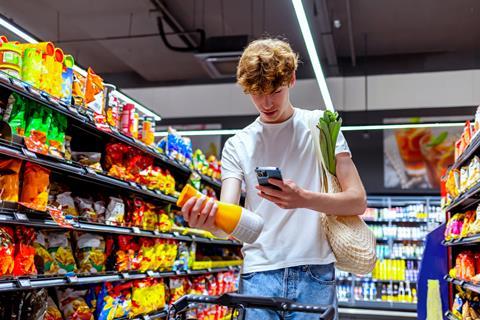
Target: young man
<point x="292" y="257"/>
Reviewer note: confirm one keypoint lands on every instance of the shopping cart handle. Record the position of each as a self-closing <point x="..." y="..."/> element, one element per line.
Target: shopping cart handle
<point x="235" y="300"/>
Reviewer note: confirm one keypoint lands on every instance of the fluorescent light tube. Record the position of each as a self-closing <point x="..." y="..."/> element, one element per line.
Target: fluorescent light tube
<point x="312" y="53"/>
<point x="7" y="25"/>
<point x="230" y="132"/>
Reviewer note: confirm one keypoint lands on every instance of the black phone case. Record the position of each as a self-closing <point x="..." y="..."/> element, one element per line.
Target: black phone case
<point x="263" y="174"/>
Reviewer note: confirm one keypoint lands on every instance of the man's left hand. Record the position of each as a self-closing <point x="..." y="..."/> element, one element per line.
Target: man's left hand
<point x="290" y="196"/>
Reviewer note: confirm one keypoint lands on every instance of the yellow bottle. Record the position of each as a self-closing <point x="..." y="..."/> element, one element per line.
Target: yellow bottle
<point x="239" y="222"/>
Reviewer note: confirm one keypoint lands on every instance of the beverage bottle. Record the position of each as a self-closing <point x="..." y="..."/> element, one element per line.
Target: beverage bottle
<point x="408" y="292"/>
<point x="401" y="293"/>
<point x="395" y="292"/>
<point x="389" y="293"/>
<point x="384" y="293"/>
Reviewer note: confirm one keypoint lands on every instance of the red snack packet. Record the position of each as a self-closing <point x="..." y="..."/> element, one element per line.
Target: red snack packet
<point x="7" y="250"/>
<point x="25" y="252"/>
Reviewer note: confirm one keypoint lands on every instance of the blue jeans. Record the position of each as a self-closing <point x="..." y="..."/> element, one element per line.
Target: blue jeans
<point x="309" y="284"/>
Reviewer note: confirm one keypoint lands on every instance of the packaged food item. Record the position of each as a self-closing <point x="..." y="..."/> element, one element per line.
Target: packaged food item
<point x="33" y="304"/>
<point x="473" y="172"/>
<point x="60" y="248"/>
<point x="147" y="296"/>
<point x="90" y="159"/>
<point x="9" y="179"/>
<point x="127" y="119"/>
<point x="53" y="313"/>
<point x="68" y="148"/>
<point x="148" y="131"/>
<point x="85" y="208"/>
<point x="38" y="125"/>
<point x="465" y="266"/>
<point x="36" y="182"/>
<point x="94" y="95"/>
<point x="18" y="113"/>
<point x="470" y="217"/>
<point x="67" y="204"/>
<point x="67" y="80"/>
<point x="32" y="66"/>
<point x="73" y="305"/>
<point x="150" y="217"/>
<point x="453" y="183"/>
<point x="24" y="251"/>
<point x="135" y="125"/>
<point x="115" y="214"/>
<point x="90" y="252"/>
<point x="56" y="135"/>
<point x="165" y="222"/>
<point x="7" y="250"/>
<point x="11" y="59"/>
<point x="114" y="301"/>
<point x="147" y="248"/>
<point x="182" y="259"/>
<point x="136" y="212"/>
<point x="128" y="255"/>
<point x="112" y="105"/>
<point x="454" y="226"/>
<point x="178" y="288"/>
<point x="44" y="261"/>
<point x="78" y="89"/>
<point x="100" y="209"/>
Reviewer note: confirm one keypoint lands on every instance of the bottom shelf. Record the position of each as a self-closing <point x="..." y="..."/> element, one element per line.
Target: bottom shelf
<point x="381" y="305"/>
<point x="155" y="315"/>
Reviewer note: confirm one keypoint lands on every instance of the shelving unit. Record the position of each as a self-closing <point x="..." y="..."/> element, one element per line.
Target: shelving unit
<point x="353" y="281"/>
<point x="81" y="123"/>
<point x="38" y="282"/>
<point x="468" y="200"/>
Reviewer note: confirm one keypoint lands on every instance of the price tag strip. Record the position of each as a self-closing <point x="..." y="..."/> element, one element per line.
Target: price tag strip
<point x="29" y="153"/>
<point x="20" y="216"/>
<point x="24" y="283"/>
<point x="72" y="279"/>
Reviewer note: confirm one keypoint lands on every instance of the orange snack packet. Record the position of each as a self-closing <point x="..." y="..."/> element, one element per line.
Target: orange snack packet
<point x="9" y="179"/>
<point x="94" y="93"/>
<point x="36" y="184"/>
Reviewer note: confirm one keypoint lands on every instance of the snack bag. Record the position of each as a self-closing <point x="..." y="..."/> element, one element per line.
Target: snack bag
<point x="37" y="128"/>
<point x="7" y="250"/>
<point x="147" y="248"/>
<point x="17" y="115"/>
<point x="150" y="218"/>
<point x="60" y="248"/>
<point x="90" y="252"/>
<point x="454" y="226"/>
<point x="24" y="252"/>
<point x="56" y="135"/>
<point x="115" y="214"/>
<point x="94" y="94"/>
<point x="53" y="313"/>
<point x="9" y="179"/>
<point x="44" y="262"/>
<point x="85" y="209"/>
<point x="128" y="255"/>
<point x="67" y="204"/>
<point x="78" y="89"/>
<point x="73" y="305"/>
<point x="89" y="159"/>
<point x="36" y="182"/>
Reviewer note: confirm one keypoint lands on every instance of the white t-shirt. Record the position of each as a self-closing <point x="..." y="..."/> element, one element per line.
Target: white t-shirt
<point x="290" y="237"/>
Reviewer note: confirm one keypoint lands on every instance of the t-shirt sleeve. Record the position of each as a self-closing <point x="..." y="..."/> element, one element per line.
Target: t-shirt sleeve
<point x="231" y="167"/>
<point x="342" y="145"/>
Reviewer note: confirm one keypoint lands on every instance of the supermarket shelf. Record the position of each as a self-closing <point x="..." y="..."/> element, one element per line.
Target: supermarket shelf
<point x="384" y="239"/>
<point x="449" y="315"/>
<point x="81" y="172"/>
<point x="380" y="305"/>
<point x="475" y="239"/>
<point x="400" y="201"/>
<point x="85" y="120"/>
<point x="41" y="220"/>
<point x="32" y="282"/>
<point x="407" y="220"/>
<point x="469" y="152"/>
<point x="466" y="200"/>
<point x="464" y="284"/>
<point x="376" y="314"/>
<point x="385" y="281"/>
<point x="155" y="315"/>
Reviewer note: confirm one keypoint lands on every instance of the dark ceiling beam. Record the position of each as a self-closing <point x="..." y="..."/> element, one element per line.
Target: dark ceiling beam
<point x="324" y="24"/>
<point x="353" y="55"/>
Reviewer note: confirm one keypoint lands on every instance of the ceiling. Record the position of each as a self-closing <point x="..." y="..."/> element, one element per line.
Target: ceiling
<point x="370" y="36"/>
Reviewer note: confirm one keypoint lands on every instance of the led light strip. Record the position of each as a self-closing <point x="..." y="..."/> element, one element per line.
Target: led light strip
<point x="28" y="38"/>
<point x="230" y="132"/>
<point x="312" y="53"/>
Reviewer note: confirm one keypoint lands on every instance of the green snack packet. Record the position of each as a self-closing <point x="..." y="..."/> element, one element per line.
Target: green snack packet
<point x="18" y="114"/>
<point x="56" y="135"/>
<point x="37" y="129"/>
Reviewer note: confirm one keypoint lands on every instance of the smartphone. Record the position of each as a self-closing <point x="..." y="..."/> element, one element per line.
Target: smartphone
<point x="265" y="173"/>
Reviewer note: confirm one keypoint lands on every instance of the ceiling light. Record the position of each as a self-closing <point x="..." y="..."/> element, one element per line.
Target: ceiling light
<point x="15" y="30"/>
<point x="28" y="38"/>
<point x="312" y="53"/>
<point x="231" y="132"/>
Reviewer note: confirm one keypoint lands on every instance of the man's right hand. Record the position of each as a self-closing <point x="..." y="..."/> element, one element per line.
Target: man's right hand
<point x="200" y="213"/>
